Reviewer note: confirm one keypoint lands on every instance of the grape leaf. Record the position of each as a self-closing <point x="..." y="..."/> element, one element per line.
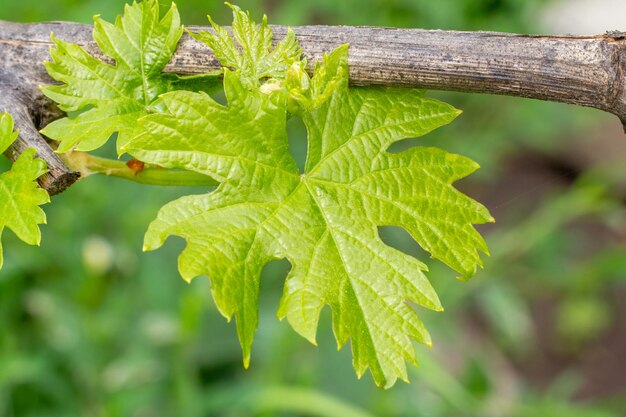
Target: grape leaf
<point x="20" y="196"/>
<point x="114" y="96"/>
<point x="324" y="220"/>
<point x="254" y="57"/>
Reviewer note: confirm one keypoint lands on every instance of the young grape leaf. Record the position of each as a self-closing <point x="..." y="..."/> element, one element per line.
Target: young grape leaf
<point x="114" y="96"/>
<point x="19" y="193"/>
<point x="324" y="220"/>
<point x="254" y="57"/>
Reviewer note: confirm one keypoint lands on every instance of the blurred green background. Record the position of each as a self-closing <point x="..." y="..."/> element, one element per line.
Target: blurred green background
<point x="90" y="326"/>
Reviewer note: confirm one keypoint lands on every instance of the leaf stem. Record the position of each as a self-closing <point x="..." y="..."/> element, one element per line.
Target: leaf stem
<point x="87" y="164"/>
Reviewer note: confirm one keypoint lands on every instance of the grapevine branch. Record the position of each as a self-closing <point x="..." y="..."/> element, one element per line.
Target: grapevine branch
<point x="586" y="71"/>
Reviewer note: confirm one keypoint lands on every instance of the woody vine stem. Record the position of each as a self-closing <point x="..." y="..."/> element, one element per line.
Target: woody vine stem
<point x="586" y="71"/>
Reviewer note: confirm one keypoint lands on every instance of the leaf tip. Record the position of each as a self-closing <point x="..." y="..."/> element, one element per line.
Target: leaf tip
<point x="389" y="383"/>
<point x="312" y="339"/>
<point x="187" y="278"/>
<point x="246" y="361"/>
<point x="467" y="276"/>
<point x="339" y="346"/>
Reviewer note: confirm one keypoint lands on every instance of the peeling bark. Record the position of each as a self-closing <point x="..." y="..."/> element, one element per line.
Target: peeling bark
<point x="586" y="71"/>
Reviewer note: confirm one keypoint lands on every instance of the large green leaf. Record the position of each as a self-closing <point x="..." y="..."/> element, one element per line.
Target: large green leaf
<point x="20" y="196"/>
<point x="323" y="220"/>
<point x="114" y="96"/>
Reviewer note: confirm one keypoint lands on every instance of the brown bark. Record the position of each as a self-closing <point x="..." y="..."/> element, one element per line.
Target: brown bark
<point x="586" y="71"/>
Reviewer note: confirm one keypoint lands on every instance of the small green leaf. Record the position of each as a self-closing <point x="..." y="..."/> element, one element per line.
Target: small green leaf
<point x="7" y="135"/>
<point x="20" y="196"/>
<point x="323" y="220"/>
<point x="254" y="58"/>
<point x="113" y="97"/>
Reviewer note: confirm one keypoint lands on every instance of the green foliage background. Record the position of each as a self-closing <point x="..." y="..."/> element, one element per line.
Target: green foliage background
<point x="93" y="327"/>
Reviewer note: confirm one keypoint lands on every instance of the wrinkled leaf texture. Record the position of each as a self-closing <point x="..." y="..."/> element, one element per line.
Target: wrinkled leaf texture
<point x="323" y="220"/>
